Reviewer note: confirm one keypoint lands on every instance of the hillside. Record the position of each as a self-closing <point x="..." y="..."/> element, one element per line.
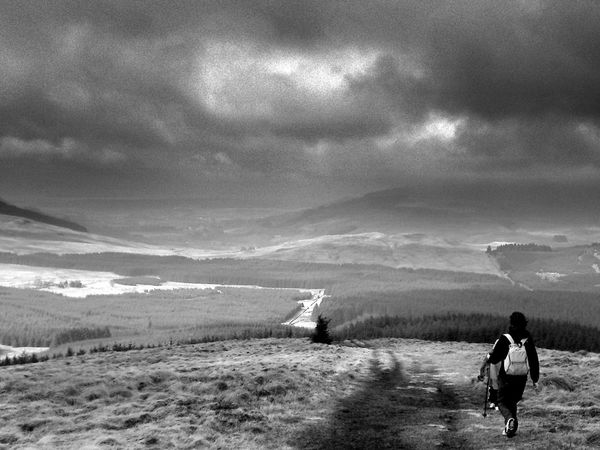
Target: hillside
<point x="467" y="210"/>
<point x="395" y="228"/>
<point x="398" y="251"/>
<point x="289" y="394"/>
<point x="11" y="210"/>
<point x="563" y="268"/>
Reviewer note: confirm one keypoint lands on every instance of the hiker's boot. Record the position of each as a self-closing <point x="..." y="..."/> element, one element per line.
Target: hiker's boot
<point x="510" y="428"/>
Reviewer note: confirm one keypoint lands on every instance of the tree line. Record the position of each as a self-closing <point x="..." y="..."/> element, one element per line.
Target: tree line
<point x="547" y="333"/>
<point x="28" y="336"/>
<point x="531" y="247"/>
<point x="577" y="307"/>
<point x="223" y="334"/>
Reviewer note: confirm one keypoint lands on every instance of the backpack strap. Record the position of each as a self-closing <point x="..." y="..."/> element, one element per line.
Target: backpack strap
<point x="512" y="341"/>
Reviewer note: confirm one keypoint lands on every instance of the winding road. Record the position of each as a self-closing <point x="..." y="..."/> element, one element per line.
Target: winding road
<point x="304" y="318"/>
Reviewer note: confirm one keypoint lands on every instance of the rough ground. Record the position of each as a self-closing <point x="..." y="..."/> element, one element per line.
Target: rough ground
<point x="290" y="394"/>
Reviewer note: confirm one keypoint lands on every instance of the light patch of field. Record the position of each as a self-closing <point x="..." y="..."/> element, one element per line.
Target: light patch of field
<point x="553" y="277"/>
<point x="79" y="283"/>
<point x="290" y="394"/>
<point x="7" y="351"/>
<point x="84" y="283"/>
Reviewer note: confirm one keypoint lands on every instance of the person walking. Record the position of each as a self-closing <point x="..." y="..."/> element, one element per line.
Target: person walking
<point x="516" y="350"/>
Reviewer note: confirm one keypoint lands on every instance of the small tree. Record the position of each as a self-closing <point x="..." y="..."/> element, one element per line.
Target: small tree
<point x="321" y="334"/>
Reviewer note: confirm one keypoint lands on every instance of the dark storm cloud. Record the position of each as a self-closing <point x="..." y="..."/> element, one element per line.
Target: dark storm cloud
<point x="495" y="63"/>
<point x="366" y="91"/>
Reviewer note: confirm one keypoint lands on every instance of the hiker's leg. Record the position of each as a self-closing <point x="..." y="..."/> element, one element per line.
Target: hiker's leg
<point x="509" y="393"/>
<point x="518" y="387"/>
<point x="506" y="404"/>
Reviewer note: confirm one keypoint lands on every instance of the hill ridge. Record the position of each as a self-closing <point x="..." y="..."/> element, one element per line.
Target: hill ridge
<point x="12" y="210"/>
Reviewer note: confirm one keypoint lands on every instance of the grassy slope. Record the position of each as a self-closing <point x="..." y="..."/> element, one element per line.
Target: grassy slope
<point x="290" y="394"/>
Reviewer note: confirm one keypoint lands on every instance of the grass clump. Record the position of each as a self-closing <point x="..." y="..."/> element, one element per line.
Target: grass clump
<point x="8" y="439"/>
<point x="559" y="382"/>
<point x="593" y="439"/>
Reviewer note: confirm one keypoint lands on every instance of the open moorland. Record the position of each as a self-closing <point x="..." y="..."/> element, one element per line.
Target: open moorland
<point x="290" y="394"/>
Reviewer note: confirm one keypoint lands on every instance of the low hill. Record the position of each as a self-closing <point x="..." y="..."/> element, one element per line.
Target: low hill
<point x="413" y="251"/>
<point x="562" y="268"/>
<point x="12" y="210"/>
<point x="449" y="210"/>
<point x="289" y="394"/>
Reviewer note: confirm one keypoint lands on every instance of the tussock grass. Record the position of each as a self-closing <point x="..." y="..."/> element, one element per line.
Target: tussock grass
<point x="561" y="383"/>
<point x="290" y="394"/>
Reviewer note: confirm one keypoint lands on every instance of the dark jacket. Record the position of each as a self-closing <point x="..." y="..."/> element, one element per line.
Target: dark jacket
<point x="500" y="351"/>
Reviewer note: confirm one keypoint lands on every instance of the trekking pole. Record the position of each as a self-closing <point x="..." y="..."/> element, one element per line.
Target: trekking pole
<point x="485" y="401"/>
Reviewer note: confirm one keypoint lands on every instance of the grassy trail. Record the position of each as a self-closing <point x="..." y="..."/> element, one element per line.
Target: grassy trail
<point x="397" y="406"/>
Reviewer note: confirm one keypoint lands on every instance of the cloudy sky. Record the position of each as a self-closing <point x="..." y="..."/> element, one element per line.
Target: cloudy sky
<point x="307" y="100"/>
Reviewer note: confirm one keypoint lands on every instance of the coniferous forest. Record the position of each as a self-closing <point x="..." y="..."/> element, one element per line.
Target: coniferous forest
<point x="547" y="333"/>
<point x="471" y="315"/>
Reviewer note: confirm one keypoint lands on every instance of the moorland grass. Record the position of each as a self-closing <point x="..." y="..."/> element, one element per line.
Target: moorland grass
<point x="290" y="394"/>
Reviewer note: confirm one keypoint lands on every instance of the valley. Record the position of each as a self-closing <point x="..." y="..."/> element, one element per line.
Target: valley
<point x="298" y="225"/>
<point x="206" y="338"/>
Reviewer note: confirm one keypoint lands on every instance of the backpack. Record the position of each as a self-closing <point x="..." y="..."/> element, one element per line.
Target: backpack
<point x="516" y="362"/>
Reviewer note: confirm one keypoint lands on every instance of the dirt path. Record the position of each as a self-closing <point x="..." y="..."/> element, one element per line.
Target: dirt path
<point x="423" y="396"/>
<point x="400" y="403"/>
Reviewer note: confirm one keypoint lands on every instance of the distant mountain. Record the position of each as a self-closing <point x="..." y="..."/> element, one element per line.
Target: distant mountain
<point x="448" y="210"/>
<point x="11" y="210"/>
<point x="443" y="227"/>
<point x="390" y="211"/>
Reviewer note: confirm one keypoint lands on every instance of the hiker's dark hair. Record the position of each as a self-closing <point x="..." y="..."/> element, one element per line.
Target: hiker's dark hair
<point x="518" y="320"/>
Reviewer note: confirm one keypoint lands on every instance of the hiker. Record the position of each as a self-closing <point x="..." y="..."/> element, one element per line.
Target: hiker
<point x="516" y="350"/>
